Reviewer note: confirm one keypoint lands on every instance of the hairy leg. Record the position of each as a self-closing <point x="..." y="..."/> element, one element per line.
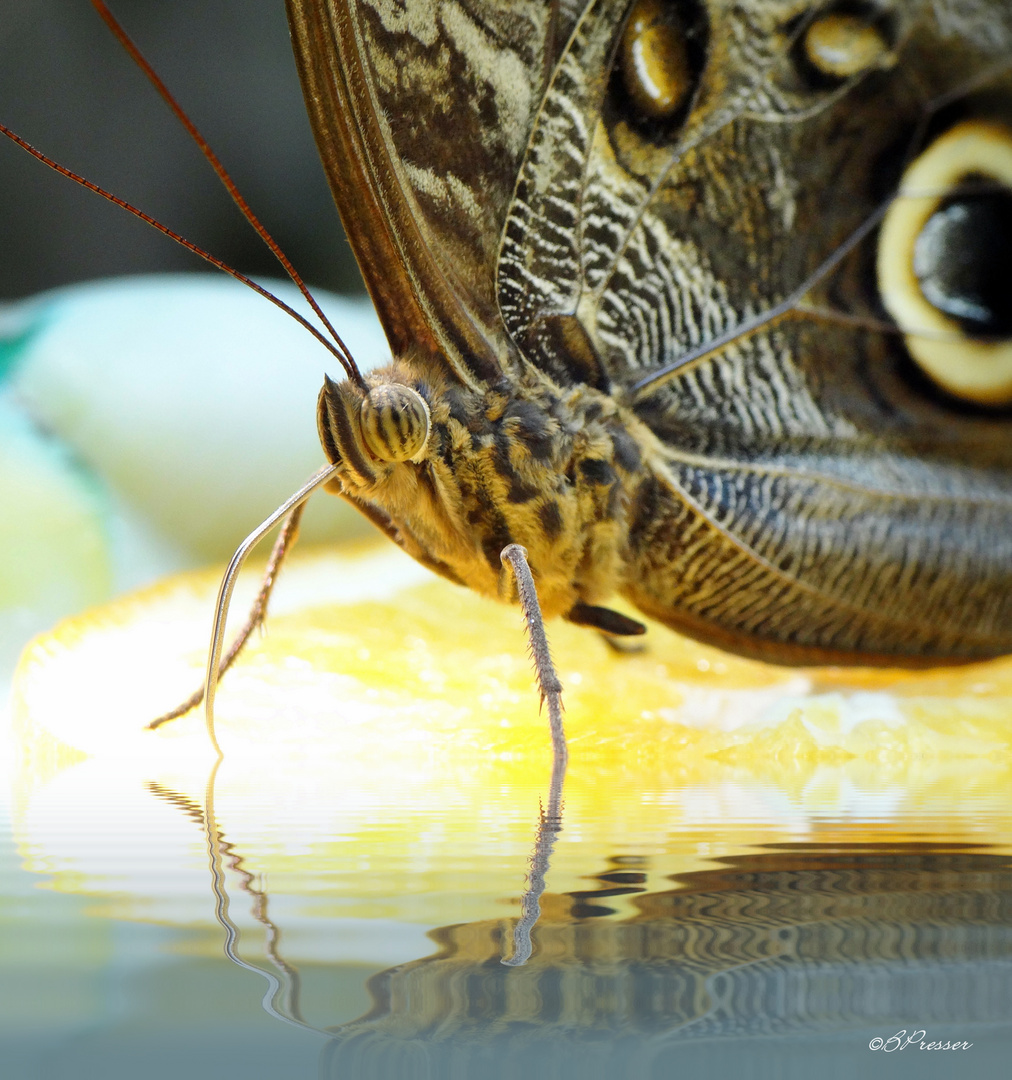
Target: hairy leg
<point x="515" y="556"/>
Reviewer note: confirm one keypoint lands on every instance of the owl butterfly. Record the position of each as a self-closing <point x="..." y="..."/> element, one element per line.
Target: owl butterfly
<point x="619" y="252"/>
<point x="706" y="304"/>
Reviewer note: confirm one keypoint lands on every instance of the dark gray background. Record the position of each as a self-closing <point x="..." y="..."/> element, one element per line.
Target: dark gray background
<point x="68" y="88"/>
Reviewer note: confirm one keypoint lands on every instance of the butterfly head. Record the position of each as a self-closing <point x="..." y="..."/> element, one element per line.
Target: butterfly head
<point x="370" y="430"/>
<point x="454" y="475"/>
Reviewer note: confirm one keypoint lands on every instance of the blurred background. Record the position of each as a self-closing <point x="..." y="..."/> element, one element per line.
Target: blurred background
<point x="68" y="88"/>
<point x="151" y="410"/>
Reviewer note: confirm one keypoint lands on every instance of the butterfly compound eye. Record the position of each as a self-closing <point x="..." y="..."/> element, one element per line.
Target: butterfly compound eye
<point x="395" y="422"/>
<point x="654" y="60"/>
<point x="945" y="261"/>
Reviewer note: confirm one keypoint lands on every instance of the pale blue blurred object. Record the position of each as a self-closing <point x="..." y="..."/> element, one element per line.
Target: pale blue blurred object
<point x="148" y="424"/>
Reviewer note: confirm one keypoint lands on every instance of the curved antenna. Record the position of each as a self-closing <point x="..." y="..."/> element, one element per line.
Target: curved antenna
<point x="213" y="160"/>
<point x="352" y="372"/>
<point x="227" y="587"/>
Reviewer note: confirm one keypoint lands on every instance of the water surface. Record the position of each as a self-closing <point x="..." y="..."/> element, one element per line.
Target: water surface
<point x="295" y="933"/>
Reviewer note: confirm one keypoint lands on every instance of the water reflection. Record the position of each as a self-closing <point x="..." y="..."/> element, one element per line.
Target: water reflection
<point x="282" y="997"/>
<point x="800" y="939"/>
<point x="549" y="827"/>
<point x="388" y="782"/>
<point x="676" y="923"/>
<point x="789" y="940"/>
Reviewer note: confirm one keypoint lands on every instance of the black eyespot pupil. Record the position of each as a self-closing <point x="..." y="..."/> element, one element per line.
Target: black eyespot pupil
<point x="963" y="262"/>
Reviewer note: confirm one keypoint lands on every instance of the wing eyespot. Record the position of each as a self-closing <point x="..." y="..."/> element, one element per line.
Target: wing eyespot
<point x="944" y="262"/>
<point x="654" y="61"/>
<point x="843" y="44"/>
<point x="659" y="59"/>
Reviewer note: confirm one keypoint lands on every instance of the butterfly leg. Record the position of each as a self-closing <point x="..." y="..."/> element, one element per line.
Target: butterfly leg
<point x="258" y="612"/>
<point x="612" y="623"/>
<point x="549" y="686"/>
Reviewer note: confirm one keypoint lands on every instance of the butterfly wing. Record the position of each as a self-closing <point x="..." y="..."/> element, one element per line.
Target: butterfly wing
<point x="422" y="114"/>
<point x="805" y="489"/>
<point x="809" y="490"/>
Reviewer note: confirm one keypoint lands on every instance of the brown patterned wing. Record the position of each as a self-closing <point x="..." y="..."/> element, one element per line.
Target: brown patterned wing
<point x="514" y="196"/>
<point x="422" y="113"/>
<point x="812" y="489"/>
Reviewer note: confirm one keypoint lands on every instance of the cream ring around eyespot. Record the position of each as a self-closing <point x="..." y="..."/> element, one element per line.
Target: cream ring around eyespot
<point x="978" y="371"/>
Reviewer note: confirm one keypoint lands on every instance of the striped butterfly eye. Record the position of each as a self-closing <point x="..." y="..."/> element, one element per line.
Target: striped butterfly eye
<point x="395" y="422"/>
<point x="945" y="262"/>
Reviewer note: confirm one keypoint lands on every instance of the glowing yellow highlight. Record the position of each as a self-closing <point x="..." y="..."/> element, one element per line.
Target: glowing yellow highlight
<point x="385" y="758"/>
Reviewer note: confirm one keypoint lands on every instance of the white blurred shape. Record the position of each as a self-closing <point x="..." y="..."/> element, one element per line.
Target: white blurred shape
<point x="192" y="398"/>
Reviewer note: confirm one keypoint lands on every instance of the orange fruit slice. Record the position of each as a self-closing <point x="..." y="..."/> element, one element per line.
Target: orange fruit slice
<point x="384" y="734"/>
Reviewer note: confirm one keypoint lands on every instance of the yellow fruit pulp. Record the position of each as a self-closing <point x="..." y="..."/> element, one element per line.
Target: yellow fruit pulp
<point x="385" y="756"/>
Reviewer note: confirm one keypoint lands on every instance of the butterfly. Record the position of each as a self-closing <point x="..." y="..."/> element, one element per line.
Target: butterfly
<point x="704" y="304"/>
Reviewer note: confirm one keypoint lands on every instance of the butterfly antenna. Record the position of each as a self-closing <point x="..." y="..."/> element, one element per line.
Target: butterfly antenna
<point x="139" y="59"/>
<point x="352" y="371"/>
